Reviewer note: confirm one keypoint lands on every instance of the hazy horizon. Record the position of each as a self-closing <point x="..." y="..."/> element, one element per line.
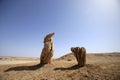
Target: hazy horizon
<point x="93" y="24"/>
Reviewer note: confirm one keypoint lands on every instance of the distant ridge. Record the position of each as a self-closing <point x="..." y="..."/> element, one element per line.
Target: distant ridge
<point x="70" y="56"/>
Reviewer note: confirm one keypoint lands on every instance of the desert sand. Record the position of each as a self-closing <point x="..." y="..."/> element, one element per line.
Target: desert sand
<point x="98" y="67"/>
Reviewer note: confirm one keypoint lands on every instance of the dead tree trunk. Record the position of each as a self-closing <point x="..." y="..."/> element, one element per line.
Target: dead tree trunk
<point x="48" y="50"/>
<point x="80" y="54"/>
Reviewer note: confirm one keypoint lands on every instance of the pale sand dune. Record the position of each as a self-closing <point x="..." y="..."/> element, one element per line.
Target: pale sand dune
<point x="7" y="62"/>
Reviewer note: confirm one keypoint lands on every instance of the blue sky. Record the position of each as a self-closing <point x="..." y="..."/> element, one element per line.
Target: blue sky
<point x="94" y="24"/>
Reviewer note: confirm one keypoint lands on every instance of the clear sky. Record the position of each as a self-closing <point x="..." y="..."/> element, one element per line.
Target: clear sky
<point x="93" y="24"/>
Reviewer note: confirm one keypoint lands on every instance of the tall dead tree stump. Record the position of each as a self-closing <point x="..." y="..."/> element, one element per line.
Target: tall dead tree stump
<point x="48" y="50"/>
<point x="80" y="55"/>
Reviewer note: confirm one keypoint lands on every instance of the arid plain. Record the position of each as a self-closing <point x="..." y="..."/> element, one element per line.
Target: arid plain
<point x="101" y="66"/>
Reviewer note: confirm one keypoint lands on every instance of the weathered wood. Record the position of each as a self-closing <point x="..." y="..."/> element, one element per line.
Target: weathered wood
<point x="80" y="54"/>
<point x="48" y="50"/>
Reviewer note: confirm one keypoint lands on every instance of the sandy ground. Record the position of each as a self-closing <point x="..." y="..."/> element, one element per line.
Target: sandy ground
<point x="7" y="62"/>
<point x="98" y="67"/>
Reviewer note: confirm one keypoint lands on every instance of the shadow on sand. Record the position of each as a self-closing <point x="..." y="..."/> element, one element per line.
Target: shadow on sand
<point x="21" y="68"/>
<point x="74" y="67"/>
<point x="68" y="68"/>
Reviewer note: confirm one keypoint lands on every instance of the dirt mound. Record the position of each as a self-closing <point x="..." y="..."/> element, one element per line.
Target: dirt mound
<point x="98" y="67"/>
<point x="67" y="57"/>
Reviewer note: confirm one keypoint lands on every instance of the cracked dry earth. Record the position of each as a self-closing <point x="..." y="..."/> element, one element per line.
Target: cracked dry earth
<point x="98" y="67"/>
